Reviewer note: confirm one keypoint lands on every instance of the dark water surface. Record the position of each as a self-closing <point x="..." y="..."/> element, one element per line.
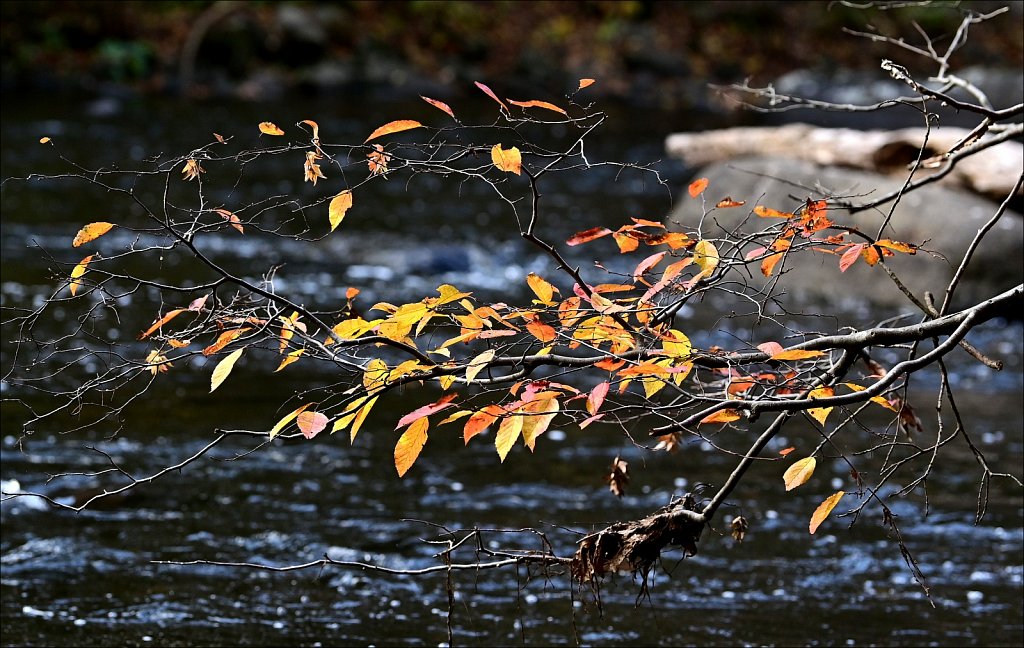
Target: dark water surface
<point x="90" y="578"/>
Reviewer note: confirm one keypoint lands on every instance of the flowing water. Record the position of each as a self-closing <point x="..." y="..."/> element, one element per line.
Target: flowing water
<point x="93" y="578"/>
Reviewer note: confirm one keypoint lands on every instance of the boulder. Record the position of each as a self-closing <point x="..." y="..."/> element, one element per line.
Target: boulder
<point x="940" y="219"/>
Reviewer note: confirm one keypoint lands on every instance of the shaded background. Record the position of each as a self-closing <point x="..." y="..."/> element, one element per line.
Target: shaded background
<point x="116" y="82"/>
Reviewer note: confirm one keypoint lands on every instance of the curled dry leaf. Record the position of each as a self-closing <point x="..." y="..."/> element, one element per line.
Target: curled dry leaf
<point x="396" y="126"/>
<point x="316" y="128"/>
<point x="799" y="473"/>
<point x="232" y="219"/>
<point x="377" y="161"/>
<point x="157" y="362"/>
<point x="507" y="160"/>
<point x="619" y="477"/>
<point x="192" y="169"/>
<point x="91" y="232"/>
<point x="738" y="528"/>
<point x="311" y="169"/>
<point x="269" y="128"/>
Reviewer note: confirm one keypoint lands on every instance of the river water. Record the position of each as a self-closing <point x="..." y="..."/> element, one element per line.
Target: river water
<point x="94" y="578"/>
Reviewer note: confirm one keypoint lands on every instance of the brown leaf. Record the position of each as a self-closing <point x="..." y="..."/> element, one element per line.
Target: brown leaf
<point x="192" y="169"/>
<point x="90" y="232"/>
<point x="311" y="168"/>
<point x="232" y="219"/>
<point x="394" y="127"/>
<point x="738" y="528"/>
<point x="619" y="477"/>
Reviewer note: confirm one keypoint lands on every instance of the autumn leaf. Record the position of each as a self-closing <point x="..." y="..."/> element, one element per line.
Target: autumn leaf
<point x="728" y="202"/>
<point x="596" y="397"/>
<point x="77" y="272"/>
<point x="394" y="127"/>
<point x="721" y="416"/>
<point x="268" y="128"/>
<point x="543" y="332"/>
<point x="160" y="322"/>
<point x="223" y="340"/>
<point x="316" y="128"/>
<point x="786" y="451"/>
<point x="292" y="356"/>
<point x="196" y="305"/>
<point x="508" y="160"/>
<point x="90" y="232"/>
<point x="409" y="445"/>
<point x="490" y="93"/>
<point x="697" y="187"/>
<point x="647" y="264"/>
<point x="538" y="104"/>
<point x="339" y="206"/>
<point x="477" y="364"/>
<point x="443" y="403"/>
<point x="232" y="219"/>
<point x="44" y="140"/>
<point x="157" y="362"/>
<point x="311" y="168"/>
<point x="850" y="257"/>
<point x="538" y="416"/>
<point x="767" y="212"/>
<point x="799" y="473"/>
<point x="377" y="161"/>
<point x="585" y="83"/>
<point x="823" y="510"/>
<point x="770" y="348"/>
<point x="192" y="170"/>
<point x="480" y="421"/>
<point x="440" y="105"/>
<point x="796" y="354"/>
<point x="286" y="419"/>
<point x="588" y="235"/>
<point x="311" y="423"/>
<point x="223" y="369"/>
<point x="619" y="477"/>
<point x="542" y="288"/>
<point x="907" y="248"/>
<point x="508" y="432"/>
<point x="820" y="413"/>
<point x="738" y="528"/>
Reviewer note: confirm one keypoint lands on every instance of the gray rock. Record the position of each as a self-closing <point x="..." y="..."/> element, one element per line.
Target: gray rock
<point x="939" y="219"/>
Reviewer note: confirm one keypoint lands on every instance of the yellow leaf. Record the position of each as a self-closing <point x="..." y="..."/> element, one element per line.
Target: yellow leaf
<point x="290" y="358"/>
<point x="287" y="419"/>
<point x="477" y="364"/>
<point x="539" y="414"/>
<point x="410" y="444"/>
<point x="540" y="287"/>
<point x="223" y="368"/>
<point x="394" y="127"/>
<point x="90" y="232"/>
<point x="268" y="128"/>
<point x="192" y="169"/>
<point x="339" y="206"/>
<point x="823" y="510"/>
<point x="44" y="140"/>
<point x="508" y="432"/>
<point x="799" y="473"/>
<point x="508" y="160"/>
<point x="375" y="376"/>
<point x="77" y="272"/>
<point x="820" y="413"/>
<point x="446" y="381"/>
<point x="449" y="293"/>
<point x="796" y="354"/>
<point x="705" y="255"/>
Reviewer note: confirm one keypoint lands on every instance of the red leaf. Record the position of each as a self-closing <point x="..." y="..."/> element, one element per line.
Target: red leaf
<point x="490" y="93"/>
<point x="588" y="235"/>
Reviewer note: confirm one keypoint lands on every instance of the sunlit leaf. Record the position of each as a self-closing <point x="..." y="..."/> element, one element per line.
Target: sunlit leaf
<point x="647" y="264"/>
<point x="626" y="241"/>
<point x="223" y="340"/>
<point x="508" y="432"/>
<point x="820" y="413"/>
<point x="823" y="510"/>
<point x="539" y="414"/>
<point x="77" y="272"/>
<point x="543" y="332"/>
<point x="728" y="202"/>
<point x="799" y="473"/>
<point x="508" y="160"/>
<point x="268" y="128"/>
<point x="767" y="212"/>
<point x="396" y="126"/>
<point x="540" y="287"/>
<point x="538" y="104"/>
<point x="490" y="93"/>
<point x="316" y="128"/>
<point x="480" y="421"/>
<point x="596" y="397"/>
<point x="850" y="257"/>
<point x="443" y="403"/>
<point x="160" y="322"/>
<point x="697" y="187"/>
<point x="796" y="354"/>
<point x="899" y="246"/>
<point x="287" y="419"/>
<point x="90" y="232"/>
<point x="477" y="364"/>
<point x="223" y="369"/>
<point x="585" y="83"/>
<point x="449" y="293"/>
<point x="311" y="423"/>
<point x="721" y="416"/>
<point x="770" y="348"/>
<point x="588" y="235"/>
<point x="409" y="445"/>
<point x="870" y="255"/>
<point x="44" y="140"/>
<point x="197" y="304"/>
<point x="786" y="451"/>
<point x="232" y="219"/>
<point x="292" y="356"/>
<point x="440" y="105"/>
<point x="157" y="362"/>
<point x="340" y="205"/>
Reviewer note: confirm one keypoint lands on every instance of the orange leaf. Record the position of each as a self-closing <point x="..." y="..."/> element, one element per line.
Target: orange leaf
<point x="268" y="128"/>
<point x="223" y="340"/>
<point x="480" y="421"/>
<point x="490" y="93"/>
<point x="340" y="205"/>
<point x="596" y="397"/>
<point x="786" y="451"/>
<point x="543" y="332"/>
<point x="625" y="241"/>
<point x="232" y="219"/>
<point x="394" y="127"/>
<point x="674" y="240"/>
<point x="440" y="105"/>
<point x="799" y="473"/>
<point x="588" y="235"/>
<point x="871" y="255"/>
<point x="609" y="364"/>
<point x="728" y="202"/>
<point x="410" y="444"/>
<point x="77" y="272"/>
<point x="160" y="322"/>
<point x="90" y="232"/>
<point x="508" y="160"/>
<point x="311" y="423"/>
<point x="767" y="212"/>
<point x="538" y="104"/>
<point x="584" y="83"/>
<point x="823" y="510"/>
<point x="312" y="124"/>
<point x="899" y="246"/>
<point x="797" y="354"/>
<point x="697" y="187"/>
<point x="721" y="416"/>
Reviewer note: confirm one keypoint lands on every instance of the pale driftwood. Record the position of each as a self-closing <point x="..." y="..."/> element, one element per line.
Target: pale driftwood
<point x="990" y="172"/>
